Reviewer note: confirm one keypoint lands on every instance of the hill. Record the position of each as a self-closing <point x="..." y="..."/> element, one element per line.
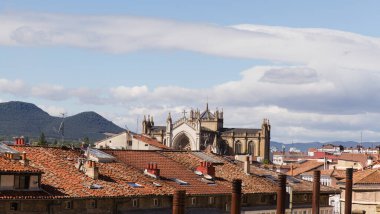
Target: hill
<point x="20" y="118"/>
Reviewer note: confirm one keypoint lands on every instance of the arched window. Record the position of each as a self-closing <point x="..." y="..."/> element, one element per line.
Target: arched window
<point x="237" y="148"/>
<point x="250" y="148"/>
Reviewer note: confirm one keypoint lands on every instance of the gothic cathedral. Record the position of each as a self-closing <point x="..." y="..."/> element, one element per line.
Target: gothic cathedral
<point x="205" y="131"/>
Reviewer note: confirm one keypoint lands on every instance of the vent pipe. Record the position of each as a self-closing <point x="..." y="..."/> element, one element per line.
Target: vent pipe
<point x="179" y="201"/>
<point x="316" y="191"/>
<point x="236" y="196"/>
<point x="348" y="192"/>
<point x="281" y="194"/>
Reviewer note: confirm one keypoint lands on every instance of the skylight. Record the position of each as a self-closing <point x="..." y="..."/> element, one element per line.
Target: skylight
<point x="135" y="185"/>
<point x="96" y="186"/>
<point x="180" y="182"/>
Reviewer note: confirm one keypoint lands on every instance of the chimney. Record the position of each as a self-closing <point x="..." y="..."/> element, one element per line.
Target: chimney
<point x="179" y="201"/>
<point x="236" y="196"/>
<point x="206" y="168"/>
<point x="281" y="194"/>
<point x="291" y="169"/>
<point x="348" y="192"/>
<point x="152" y="170"/>
<point x="92" y="170"/>
<point x="247" y="166"/>
<point x="316" y="191"/>
<point x="23" y="160"/>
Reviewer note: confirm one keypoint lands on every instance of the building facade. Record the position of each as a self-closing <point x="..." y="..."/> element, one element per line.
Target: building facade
<point x="205" y="131"/>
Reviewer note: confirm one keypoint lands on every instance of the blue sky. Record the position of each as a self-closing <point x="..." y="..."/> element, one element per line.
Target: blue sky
<point x="124" y="59"/>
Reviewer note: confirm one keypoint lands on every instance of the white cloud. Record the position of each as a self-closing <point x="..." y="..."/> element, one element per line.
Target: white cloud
<point x="318" y="84"/>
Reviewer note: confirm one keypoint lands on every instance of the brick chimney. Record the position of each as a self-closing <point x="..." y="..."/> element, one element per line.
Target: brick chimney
<point x="153" y="170"/>
<point x="206" y="168"/>
<point x="20" y="141"/>
<point x="24" y="160"/>
<point x="179" y="202"/>
<point x="92" y="170"/>
<point x="236" y="196"/>
<point x="247" y="166"/>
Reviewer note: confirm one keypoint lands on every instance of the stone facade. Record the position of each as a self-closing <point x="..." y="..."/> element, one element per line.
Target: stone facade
<point x="205" y="131"/>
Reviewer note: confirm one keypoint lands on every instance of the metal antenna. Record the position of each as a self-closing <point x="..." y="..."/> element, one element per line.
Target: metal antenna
<point x="61" y="129"/>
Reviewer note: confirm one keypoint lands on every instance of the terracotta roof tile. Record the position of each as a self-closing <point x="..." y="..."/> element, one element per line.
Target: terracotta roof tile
<point x="150" y="141"/>
<point x="15" y="166"/>
<point x="226" y="172"/>
<point x="305" y="167"/>
<point x="298" y="185"/>
<point x="62" y="180"/>
<point x="170" y="169"/>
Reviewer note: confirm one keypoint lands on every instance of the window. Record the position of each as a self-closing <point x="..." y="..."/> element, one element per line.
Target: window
<point x="193" y="201"/>
<point x="135" y="202"/>
<point x="237" y="147"/>
<point x="92" y="204"/>
<point x="13" y="206"/>
<point x="130" y="143"/>
<point x="22" y="181"/>
<point x="211" y="200"/>
<point x="156" y="202"/>
<point x="68" y="204"/>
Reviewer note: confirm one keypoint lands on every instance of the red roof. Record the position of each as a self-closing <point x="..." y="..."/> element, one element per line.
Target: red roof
<point x="151" y="141"/>
<point x="15" y="166"/>
<point x="62" y="180"/>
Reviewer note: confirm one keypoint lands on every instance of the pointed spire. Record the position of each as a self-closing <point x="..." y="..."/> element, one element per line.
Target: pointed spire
<point x="207" y="105"/>
<point x="169" y="117"/>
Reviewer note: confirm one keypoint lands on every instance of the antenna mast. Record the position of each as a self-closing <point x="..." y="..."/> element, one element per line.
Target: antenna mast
<point x="62" y="128"/>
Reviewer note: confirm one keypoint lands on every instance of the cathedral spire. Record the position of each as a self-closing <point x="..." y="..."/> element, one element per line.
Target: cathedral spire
<point x="207" y="106"/>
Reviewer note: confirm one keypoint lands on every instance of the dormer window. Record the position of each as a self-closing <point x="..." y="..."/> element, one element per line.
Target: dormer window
<point x="21" y="181"/>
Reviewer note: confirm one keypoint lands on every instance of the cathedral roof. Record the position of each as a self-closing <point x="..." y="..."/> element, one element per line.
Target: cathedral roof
<point x="240" y="130"/>
<point x="207" y="114"/>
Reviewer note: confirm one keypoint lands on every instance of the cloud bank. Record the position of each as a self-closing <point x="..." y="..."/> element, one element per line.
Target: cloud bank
<point x="319" y="84"/>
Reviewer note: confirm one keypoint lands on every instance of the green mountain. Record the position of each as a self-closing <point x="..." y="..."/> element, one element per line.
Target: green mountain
<point x="26" y="119"/>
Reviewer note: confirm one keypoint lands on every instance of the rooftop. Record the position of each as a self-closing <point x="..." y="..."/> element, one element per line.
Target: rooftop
<point x="61" y="179"/>
<point x="305" y="167"/>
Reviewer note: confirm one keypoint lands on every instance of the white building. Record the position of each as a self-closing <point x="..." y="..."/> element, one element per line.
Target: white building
<point x="129" y="141"/>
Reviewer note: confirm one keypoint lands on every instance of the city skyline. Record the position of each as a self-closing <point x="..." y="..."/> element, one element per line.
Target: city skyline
<point x="310" y="68"/>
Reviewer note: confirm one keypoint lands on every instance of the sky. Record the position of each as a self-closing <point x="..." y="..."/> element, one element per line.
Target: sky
<point x="311" y="67"/>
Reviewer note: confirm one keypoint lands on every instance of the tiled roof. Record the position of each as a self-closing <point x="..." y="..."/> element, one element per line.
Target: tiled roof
<point x="360" y="158"/>
<point x="226" y="172"/>
<point x="298" y="185"/>
<point x="305" y="167"/>
<point x="150" y="141"/>
<point x="15" y="166"/>
<point x="170" y="169"/>
<point x="369" y="176"/>
<point x="62" y="180"/>
<point x="339" y="174"/>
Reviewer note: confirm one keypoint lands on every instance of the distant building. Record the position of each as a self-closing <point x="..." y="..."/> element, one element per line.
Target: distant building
<point x="205" y="131"/>
<point x="287" y="158"/>
<point x="130" y="141"/>
<point x="365" y="192"/>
